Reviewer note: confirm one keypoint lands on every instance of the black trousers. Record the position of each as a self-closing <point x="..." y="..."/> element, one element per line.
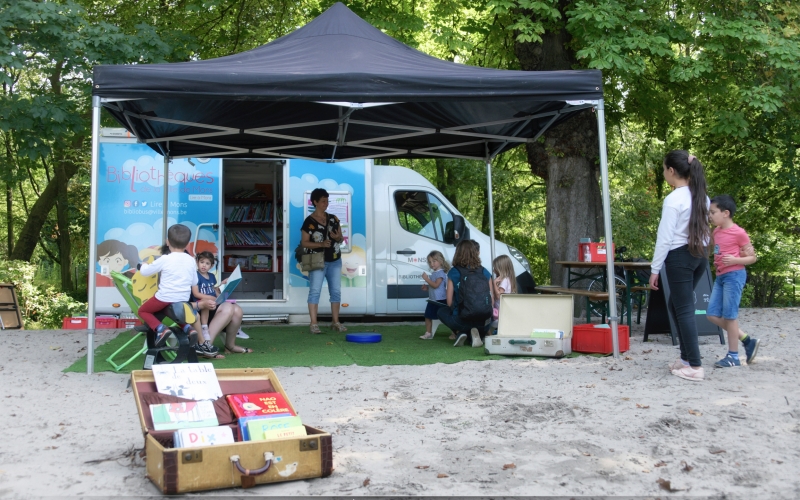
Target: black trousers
<point x="684" y="271"/>
<point x="459" y="326"/>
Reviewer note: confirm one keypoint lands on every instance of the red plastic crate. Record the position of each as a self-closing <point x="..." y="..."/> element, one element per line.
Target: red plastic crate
<point x="105" y="322"/>
<point x="128" y="323"/>
<point x="70" y="323"/>
<point x="597" y="251"/>
<point x="597" y="339"/>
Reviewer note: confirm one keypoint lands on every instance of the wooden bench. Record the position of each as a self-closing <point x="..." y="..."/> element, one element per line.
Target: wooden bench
<point x="593" y="296"/>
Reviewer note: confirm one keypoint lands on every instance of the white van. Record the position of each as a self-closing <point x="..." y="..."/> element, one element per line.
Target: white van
<point x="249" y="213"/>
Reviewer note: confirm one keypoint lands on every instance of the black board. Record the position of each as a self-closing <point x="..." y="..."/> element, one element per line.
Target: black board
<point x="660" y="319"/>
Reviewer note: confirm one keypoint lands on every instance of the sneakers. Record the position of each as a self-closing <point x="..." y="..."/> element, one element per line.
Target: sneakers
<point x="751" y="349"/>
<point x="689" y="373"/>
<point x="677" y="364"/>
<point x="728" y="362"/>
<point x="476" y="338"/>
<point x="460" y="340"/>
<point x="241" y="335"/>
<point x="206" y="349"/>
<point x="162" y="332"/>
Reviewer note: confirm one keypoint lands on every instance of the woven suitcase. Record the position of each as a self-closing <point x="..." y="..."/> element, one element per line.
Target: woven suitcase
<point x="245" y="464"/>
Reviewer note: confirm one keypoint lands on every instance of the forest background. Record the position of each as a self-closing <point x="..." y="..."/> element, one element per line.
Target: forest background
<point x="719" y="79"/>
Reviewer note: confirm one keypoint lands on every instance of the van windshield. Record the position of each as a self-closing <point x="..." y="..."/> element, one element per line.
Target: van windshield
<point x="422" y="213"/>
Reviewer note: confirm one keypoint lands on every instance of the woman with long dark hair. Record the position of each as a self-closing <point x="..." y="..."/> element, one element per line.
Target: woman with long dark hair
<point x="681" y="248"/>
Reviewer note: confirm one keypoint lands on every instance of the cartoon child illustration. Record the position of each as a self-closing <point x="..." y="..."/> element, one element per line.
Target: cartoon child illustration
<point x="114" y="255"/>
<point x="351" y="262"/>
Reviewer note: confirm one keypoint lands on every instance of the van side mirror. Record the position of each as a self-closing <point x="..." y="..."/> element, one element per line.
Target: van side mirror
<point x="460" y="230"/>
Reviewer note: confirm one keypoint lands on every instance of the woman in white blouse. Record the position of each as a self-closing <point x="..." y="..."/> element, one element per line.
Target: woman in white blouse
<point x="681" y="248"/>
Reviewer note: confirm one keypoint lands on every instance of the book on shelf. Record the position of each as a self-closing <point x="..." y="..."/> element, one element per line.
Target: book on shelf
<point x="203" y="436"/>
<point x="184" y="415"/>
<point x="196" y="381"/>
<point x="259" y="403"/>
<point x="275" y="428"/>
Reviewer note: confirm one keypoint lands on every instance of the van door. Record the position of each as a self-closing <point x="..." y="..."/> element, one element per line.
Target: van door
<point x="421" y="223"/>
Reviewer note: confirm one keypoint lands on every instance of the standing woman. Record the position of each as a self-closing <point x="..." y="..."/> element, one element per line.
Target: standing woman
<point x="322" y="232"/>
<point x="681" y="245"/>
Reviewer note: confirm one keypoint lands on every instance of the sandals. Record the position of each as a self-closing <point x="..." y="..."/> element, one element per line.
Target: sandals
<point x="244" y="350"/>
<point x="427" y="336"/>
<point x="212" y="356"/>
<point x="314" y="329"/>
<point x="338" y="327"/>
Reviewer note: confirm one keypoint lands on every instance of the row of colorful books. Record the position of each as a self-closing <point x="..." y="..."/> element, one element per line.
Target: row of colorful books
<point x="252" y="212"/>
<point x="247" y="237"/>
<point x="248" y="193"/>
<point x="261" y="417"/>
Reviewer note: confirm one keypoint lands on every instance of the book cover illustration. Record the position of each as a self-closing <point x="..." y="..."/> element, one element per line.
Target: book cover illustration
<point x="273" y="428"/>
<point x="261" y="404"/>
<point x="205" y="436"/>
<point x="196" y="381"/>
<point x="244" y="434"/>
<point x="186" y="415"/>
<point x="227" y="289"/>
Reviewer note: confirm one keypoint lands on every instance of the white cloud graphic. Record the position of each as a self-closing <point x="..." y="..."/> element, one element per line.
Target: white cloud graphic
<point x="143" y="235"/>
<point x="308" y="182"/>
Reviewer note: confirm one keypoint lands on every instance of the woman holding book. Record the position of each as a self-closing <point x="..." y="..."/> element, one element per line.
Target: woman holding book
<point x="322" y="233"/>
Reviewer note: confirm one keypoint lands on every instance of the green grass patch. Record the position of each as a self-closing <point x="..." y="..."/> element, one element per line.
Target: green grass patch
<point x="293" y="346"/>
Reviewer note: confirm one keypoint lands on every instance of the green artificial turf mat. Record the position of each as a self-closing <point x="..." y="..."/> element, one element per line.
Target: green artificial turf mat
<point x="293" y="346"/>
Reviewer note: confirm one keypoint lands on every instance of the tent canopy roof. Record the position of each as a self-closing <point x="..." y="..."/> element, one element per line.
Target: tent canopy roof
<point x="338" y="89"/>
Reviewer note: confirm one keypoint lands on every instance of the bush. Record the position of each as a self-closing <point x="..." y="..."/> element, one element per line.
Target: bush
<point x="42" y="306"/>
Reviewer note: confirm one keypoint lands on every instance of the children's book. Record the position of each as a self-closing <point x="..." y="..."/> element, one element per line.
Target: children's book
<point x="185" y="415"/>
<point x="227" y="289"/>
<point x="265" y="428"/>
<point x="277" y="433"/>
<point x="261" y="404"/>
<point x="196" y="381"/>
<point x="204" y="436"/>
<point x="244" y="433"/>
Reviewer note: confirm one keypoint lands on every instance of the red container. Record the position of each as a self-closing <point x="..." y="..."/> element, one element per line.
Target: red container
<point x="128" y="323"/>
<point x="75" y="323"/>
<point x="597" y="252"/>
<point x="105" y="322"/>
<point x="597" y="339"/>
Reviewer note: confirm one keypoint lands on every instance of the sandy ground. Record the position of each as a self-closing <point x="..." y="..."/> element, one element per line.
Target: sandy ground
<point x="583" y="426"/>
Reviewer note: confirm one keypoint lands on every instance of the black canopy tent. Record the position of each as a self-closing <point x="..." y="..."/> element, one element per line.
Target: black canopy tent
<point x="338" y="89"/>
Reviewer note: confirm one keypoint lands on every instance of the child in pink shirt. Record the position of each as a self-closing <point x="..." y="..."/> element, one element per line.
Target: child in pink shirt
<point x="732" y="251"/>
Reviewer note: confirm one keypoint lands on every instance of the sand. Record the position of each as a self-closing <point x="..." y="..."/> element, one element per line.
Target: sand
<point x="582" y="426"/>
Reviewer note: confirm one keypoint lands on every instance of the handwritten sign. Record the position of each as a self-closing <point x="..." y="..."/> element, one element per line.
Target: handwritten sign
<point x="196" y="381"/>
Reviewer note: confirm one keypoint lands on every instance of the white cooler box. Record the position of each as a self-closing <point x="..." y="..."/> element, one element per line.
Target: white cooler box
<point x="533" y="325"/>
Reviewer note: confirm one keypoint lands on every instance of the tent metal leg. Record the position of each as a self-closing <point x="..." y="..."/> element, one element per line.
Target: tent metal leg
<point x="613" y="319"/>
<point x="165" y="203"/>
<point x="96" y="108"/>
<point x="490" y="201"/>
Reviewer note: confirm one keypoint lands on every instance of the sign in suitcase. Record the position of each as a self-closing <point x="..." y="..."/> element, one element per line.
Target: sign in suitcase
<point x="533" y="325"/>
<point x="245" y="464"/>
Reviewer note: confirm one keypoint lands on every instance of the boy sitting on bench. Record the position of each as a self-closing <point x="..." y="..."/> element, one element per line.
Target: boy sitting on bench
<point x="178" y="275"/>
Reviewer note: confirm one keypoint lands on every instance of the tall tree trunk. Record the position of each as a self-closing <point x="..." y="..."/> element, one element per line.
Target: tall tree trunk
<point x="566" y="160"/>
<point x="62" y="216"/>
<point x="9" y="217"/>
<point x="445" y="181"/>
<point x="29" y="234"/>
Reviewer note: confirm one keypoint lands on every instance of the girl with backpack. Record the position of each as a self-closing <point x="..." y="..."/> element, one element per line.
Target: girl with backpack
<point x="469" y="296"/>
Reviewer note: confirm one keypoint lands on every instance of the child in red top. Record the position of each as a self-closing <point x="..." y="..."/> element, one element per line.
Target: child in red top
<point x="732" y="251"/>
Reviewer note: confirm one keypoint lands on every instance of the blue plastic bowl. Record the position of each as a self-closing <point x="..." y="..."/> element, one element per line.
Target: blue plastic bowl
<point x="363" y="338"/>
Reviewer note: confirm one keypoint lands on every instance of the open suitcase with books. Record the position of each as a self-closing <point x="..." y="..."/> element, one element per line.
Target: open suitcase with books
<point x="533" y="325"/>
<point x="242" y="463"/>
